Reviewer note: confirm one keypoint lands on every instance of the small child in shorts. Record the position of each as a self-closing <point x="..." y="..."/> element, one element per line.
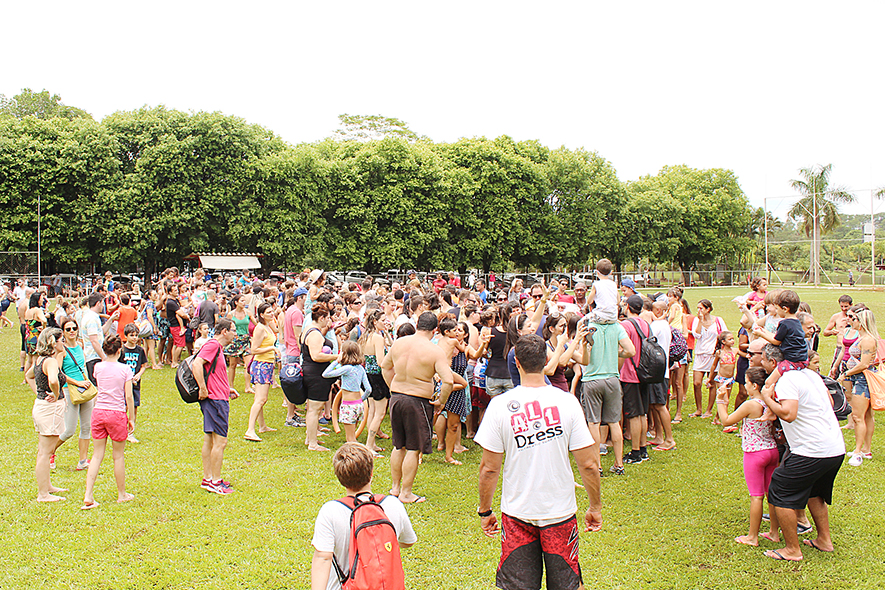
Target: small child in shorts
<point x="133" y="355"/>
<point x="349" y="407"/>
<point x="790" y="337"/>
<point x="604" y="293"/>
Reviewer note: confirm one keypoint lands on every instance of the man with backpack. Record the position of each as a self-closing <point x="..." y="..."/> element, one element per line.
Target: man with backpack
<point x="210" y="373"/>
<point x="636" y="393"/>
<point x="357" y="539"/>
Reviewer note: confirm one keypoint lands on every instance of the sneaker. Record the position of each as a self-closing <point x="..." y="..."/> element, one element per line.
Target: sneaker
<point x="222" y="488"/>
<point x="801" y="529"/>
<point x="131" y="438"/>
<point x="217" y="489"/>
<point x="324" y="420"/>
<point x="867" y="455"/>
<point x="289" y="422"/>
<point x="617" y="470"/>
<point x="207" y="485"/>
<point x="81" y="465"/>
<point x="856" y="460"/>
<point x="603" y="450"/>
<point x="299" y="422"/>
<point x="643" y="455"/>
<point x="632" y="459"/>
<point x="52" y="462"/>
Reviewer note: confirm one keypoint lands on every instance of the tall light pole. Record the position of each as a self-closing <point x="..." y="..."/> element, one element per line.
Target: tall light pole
<point x="765" y="213"/>
<point x="39" y="249"/>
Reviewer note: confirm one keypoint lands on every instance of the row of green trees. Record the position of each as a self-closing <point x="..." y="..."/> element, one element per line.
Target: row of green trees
<point x="148" y="187"/>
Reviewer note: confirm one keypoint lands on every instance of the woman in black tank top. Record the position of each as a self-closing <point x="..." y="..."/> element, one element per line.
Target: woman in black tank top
<point x="314" y="362"/>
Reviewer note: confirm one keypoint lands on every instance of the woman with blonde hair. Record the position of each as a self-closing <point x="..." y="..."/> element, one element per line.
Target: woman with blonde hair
<point x="862" y="358"/>
<point x="263" y="347"/>
<point x="46" y="380"/>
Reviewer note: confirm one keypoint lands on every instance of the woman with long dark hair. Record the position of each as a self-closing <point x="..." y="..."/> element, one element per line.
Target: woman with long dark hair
<point x="316" y="351"/>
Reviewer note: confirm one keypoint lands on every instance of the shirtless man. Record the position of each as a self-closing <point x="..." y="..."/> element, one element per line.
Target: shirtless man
<point x="839" y="320"/>
<point x="409" y="368"/>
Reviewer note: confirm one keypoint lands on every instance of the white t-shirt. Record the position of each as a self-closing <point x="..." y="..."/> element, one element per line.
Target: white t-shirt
<point x="90" y="324"/>
<point x="815" y="431"/>
<point x="660" y="329"/>
<point x="536" y="428"/>
<point x="20" y="293"/>
<point x="332" y="531"/>
<point x="606" y="300"/>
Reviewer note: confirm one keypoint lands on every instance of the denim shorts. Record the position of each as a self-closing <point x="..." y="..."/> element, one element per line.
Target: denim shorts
<point x="861" y="387"/>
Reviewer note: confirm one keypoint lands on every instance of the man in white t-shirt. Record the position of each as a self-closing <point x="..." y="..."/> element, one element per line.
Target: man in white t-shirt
<point x="817" y="450"/>
<point x="537" y="425"/>
<point x="92" y="333"/>
<point x="659" y="393"/>
<point x="353" y="464"/>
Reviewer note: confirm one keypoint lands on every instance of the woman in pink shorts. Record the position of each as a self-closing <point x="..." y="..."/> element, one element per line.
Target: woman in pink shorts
<point x="111" y="417"/>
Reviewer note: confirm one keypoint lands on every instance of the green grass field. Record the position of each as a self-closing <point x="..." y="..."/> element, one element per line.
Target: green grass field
<point x="669" y="523"/>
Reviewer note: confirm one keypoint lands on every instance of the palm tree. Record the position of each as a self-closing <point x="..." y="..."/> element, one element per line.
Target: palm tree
<point x="818" y="208"/>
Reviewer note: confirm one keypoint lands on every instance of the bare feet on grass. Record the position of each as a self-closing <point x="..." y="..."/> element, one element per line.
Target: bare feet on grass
<point x="126" y="497"/>
<point x="50" y="498"/>
<point x="747" y="540"/>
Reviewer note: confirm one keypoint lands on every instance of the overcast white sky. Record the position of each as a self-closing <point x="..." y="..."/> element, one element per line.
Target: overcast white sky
<point x="762" y="88"/>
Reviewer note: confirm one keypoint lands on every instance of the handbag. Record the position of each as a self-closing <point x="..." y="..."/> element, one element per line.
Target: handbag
<point x="81" y="395"/>
<point x="876" y="383"/>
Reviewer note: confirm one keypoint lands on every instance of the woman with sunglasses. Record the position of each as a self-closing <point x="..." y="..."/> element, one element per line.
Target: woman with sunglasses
<point x="862" y="358"/>
<point x="47" y="381"/>
<point x="73" y="364"/>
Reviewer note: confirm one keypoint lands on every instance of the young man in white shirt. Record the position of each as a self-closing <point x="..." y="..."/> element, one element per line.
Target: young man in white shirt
<point x="353" y="465"/>
<point x="537" y="426"/>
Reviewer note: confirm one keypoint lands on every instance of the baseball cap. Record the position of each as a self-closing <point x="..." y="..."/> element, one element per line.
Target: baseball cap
<point x="628" y="283"/>
<point x="299" y="292"/>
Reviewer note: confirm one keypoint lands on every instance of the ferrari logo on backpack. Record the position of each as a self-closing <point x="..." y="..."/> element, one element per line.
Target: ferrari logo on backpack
<point x="388" y="546"/>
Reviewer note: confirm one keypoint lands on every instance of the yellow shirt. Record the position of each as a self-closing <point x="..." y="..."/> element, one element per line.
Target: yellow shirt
<point x="270" y="339"/>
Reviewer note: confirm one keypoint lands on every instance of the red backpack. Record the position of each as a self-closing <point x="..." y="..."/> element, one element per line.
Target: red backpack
<point x="373" y="560"/>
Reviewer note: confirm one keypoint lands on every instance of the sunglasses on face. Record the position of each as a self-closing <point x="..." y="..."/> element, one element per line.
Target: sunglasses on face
<point x="852" y="317"/>
<point x="70" y="328"/>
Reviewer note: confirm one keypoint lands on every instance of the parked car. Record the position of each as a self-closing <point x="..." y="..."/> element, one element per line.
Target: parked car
<point x="355" y="276"/>
<point x="640" y="279"/>
<point x="586" y="277"/>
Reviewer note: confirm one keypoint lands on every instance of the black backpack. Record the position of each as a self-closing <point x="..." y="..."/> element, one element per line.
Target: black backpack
<point x="652" y="365"/>
<point x="185" y="381"/>
<point x="841" y="407"/>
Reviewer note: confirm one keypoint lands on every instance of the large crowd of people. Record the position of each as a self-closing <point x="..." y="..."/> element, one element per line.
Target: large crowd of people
<point x="507" y="367"/>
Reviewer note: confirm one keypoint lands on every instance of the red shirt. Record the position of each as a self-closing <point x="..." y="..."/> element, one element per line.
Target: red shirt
<point x="439" y="285"/>
<point x="455" y="281"/>
<point x="216" y="383"/>
<point x="128" y="315"/>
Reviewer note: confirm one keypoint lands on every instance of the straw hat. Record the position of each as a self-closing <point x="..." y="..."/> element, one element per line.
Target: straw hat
<point x="315" y="274"/>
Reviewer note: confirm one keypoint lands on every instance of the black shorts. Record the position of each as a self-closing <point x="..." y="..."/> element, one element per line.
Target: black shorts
<point x="380" y="390"/>
<point x="90" y="370"/>
<point x="659" y="393"/>
<point x="24" y="333"/>
<point x="317" y="387"/>
<point x="741" y="374"/>
<point x="635" y="399"/>
<point x="410" y="422"/>
<point x="798" y="478"/>
<point x="215" y="416"/>
<point x="526" y="550"/>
